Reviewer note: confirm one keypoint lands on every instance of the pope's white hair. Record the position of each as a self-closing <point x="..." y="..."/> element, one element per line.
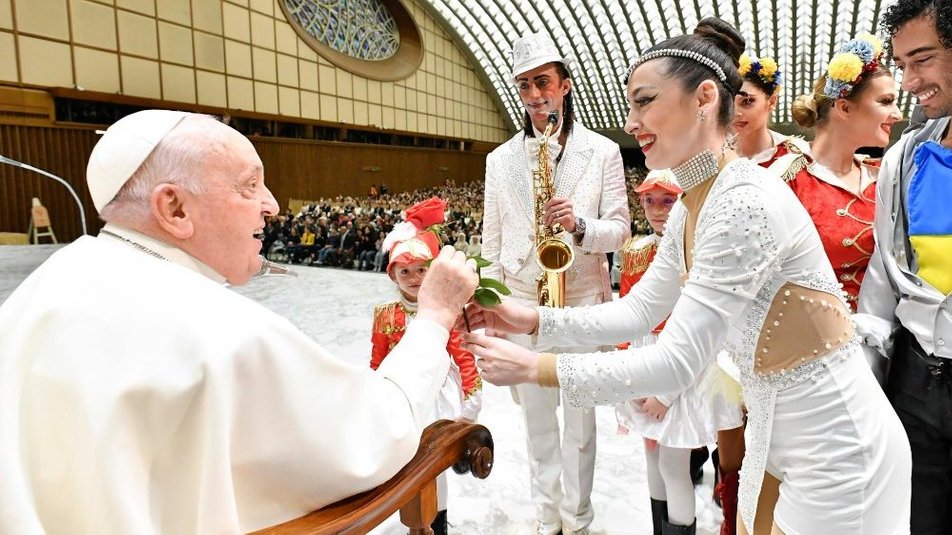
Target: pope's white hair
<point x="180" y="158"/>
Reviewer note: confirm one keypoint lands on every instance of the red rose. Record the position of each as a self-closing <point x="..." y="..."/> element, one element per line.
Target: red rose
<point x="426" y="213"/>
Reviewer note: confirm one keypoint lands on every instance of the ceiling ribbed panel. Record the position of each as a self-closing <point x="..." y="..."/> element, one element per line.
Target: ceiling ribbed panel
<point x="605" y="36"/>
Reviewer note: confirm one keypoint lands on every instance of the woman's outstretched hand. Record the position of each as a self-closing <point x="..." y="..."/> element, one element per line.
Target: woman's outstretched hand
<point x="506" y="317"/>
<point x="502" y="362"/>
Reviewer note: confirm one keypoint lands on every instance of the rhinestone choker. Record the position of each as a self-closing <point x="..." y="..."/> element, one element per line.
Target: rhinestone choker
<point x="697" y="169"/>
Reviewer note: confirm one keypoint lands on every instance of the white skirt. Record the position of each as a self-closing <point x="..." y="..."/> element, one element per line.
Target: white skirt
<point x="841" y="455"/>
<point x="710" y="405"/>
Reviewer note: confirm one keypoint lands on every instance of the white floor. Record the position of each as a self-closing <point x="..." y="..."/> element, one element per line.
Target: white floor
<point x="335" y="308"/>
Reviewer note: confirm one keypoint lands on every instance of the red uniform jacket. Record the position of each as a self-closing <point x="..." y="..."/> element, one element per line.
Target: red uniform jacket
<point x="390" y="322"/>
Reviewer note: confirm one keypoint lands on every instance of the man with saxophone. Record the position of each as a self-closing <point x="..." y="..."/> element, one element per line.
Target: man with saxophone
<point x="575" y="194"/>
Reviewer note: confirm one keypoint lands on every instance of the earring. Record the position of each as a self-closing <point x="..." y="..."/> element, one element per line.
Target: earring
<point x="701" y="116"/>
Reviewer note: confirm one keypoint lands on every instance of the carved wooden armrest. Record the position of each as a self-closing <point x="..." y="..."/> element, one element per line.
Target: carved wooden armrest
<point x="412" y="491"/>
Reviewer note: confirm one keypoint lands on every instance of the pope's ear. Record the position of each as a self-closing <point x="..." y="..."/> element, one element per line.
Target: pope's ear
<point x="171" y="206"/>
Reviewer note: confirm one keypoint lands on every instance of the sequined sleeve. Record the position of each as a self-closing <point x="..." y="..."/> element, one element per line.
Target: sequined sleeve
<point x="738" y="248"/>
<point x="633" y="316"/>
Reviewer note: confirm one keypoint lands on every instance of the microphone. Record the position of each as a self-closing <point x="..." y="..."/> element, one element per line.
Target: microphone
<point x="553" y="117"/>
<point x="28" y="167"/>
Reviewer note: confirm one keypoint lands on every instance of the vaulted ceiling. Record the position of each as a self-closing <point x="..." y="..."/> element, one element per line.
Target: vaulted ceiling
<point x="605" y="36"/>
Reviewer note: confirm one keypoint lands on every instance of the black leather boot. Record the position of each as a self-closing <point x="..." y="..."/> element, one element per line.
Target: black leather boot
<point x="699" y="456"/>
<point x="659" y="514"/>
<point x="439" y="524"/>
<point x="675" y="529"/>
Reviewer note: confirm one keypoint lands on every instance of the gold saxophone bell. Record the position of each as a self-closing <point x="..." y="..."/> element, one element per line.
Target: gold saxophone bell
<point x="553" y="255"/>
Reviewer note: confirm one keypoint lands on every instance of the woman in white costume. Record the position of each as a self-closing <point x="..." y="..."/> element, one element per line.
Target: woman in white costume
<point x="740" y="268"/>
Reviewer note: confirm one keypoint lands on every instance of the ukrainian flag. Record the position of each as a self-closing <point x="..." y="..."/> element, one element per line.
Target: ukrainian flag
<point x="930" y="215"/>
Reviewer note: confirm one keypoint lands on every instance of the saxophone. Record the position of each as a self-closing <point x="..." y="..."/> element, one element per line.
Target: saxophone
<point x="553" y="255"/>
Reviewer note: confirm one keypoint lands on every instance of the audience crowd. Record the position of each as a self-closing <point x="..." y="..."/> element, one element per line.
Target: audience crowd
<point x="348" y="232"/>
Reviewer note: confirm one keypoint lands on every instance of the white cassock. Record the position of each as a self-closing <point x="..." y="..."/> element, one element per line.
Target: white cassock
<point x="139" y="395"/>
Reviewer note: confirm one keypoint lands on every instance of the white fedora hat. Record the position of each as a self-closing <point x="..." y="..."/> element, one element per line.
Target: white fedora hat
<point x="534" y="50"/>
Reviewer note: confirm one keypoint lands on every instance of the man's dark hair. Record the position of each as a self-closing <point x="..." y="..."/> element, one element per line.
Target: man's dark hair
<point x="898" y="14"/>
<point x="568" y="107"/>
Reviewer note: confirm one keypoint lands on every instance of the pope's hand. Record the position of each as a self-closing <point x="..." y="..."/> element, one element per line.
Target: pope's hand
<point x="506" y="317"/>
<point x="448" y="285"/>
<point x="502" y="362"/>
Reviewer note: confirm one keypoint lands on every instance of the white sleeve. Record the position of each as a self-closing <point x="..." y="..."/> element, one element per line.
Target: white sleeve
<point x="472" y="405"/>
<point x="492" y="234"/>
<point x="647" y="304"/>
<point x="875" y="319"/>
<point x="608" y="233"/>
<point x="731" y="264"/>
<point x="314" y="429"/>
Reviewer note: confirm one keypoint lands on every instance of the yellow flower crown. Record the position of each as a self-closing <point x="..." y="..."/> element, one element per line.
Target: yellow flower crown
<point x="765" y="69"/>
<point x="855" y="58"/>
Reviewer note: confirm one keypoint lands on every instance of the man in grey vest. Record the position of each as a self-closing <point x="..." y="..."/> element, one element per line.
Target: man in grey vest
<point x="905" y="307"/>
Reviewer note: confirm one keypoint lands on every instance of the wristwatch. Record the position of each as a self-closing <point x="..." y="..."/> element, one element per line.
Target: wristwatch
<point x="579" y="228"/>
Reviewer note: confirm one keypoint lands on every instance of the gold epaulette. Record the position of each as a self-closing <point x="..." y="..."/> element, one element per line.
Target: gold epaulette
<point x="634" y="261"/>
<point x="794" y="161"/>
<point x="798" y="164"/>
<point x="384" y="315"/>
<point x="791" y="146"/>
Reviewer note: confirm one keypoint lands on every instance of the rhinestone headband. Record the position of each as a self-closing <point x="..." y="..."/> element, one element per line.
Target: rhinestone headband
<point x="676" y="53"/>
<point x="697" y="169"/>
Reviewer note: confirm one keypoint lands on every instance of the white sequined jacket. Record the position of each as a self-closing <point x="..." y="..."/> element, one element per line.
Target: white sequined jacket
<point x="591" y="174"/>
<point x="753" y="239"/>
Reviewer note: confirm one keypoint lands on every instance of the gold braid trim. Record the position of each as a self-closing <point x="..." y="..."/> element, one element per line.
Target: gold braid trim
<point x="634" y="261"/>
<point x="798" y="165"/>
<point x="477" y="386"/>
<point x="384" y="316"/>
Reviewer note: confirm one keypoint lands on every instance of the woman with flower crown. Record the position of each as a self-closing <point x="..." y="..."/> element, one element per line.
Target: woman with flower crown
<point x="753" y="105"/>
<point x="853" y="105"/>
<point x="740" y="268"/>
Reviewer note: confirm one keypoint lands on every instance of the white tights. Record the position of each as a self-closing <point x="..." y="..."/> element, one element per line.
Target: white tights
<point x="669" y="479"/>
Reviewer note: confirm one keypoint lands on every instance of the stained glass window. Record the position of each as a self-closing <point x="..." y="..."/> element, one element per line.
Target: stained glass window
<point x="363" y="29"/>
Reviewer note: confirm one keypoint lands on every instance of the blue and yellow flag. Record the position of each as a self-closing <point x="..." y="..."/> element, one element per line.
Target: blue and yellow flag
<point x="930" y="215"/>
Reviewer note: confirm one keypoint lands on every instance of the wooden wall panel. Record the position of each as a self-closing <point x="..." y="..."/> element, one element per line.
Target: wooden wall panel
<point x="310" y="170"/>
<point x="293" y="169"/>
<point x="61" y="151"/>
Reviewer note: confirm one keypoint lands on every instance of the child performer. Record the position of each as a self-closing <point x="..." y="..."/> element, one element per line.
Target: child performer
<point x="411" y="244"/>
<point x="672" y="425"/>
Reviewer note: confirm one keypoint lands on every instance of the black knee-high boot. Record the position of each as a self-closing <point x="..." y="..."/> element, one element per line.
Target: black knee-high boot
<point x="659" y="514"/>
<point x="439" y="524"/>
<point x="676" y="529"/>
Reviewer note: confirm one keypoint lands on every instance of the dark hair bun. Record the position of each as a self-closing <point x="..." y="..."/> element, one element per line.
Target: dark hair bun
<point x="723" y="36"/>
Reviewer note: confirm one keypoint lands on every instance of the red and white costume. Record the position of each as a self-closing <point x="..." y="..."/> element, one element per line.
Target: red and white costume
<point x="461" y="395"/>
<point x="843" y="218"/>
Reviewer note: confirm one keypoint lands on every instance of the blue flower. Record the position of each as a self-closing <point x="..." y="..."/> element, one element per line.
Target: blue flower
<point x="861" y="48"/>
<point x="835" y="89"/>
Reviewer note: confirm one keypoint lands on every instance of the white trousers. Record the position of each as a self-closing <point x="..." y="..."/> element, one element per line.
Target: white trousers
<point x="562" y="468"/>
